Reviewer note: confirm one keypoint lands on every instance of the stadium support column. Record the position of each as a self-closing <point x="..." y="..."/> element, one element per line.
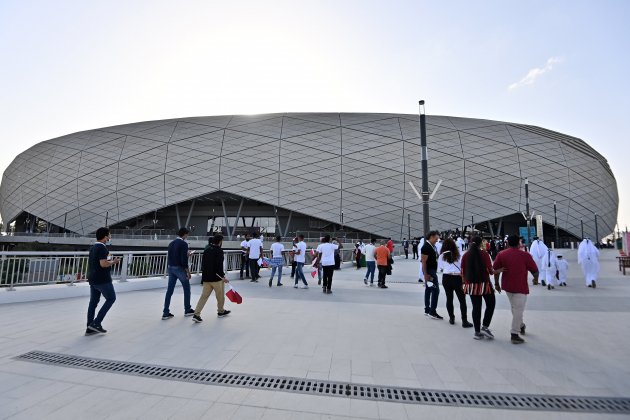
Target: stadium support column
<point x="425" y="170"/>
<point x="555" y="222"/>
<point x="596" y="232"/>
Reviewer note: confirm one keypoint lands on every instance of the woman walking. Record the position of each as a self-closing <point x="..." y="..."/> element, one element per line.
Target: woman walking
<point x="277" y="260"/>
<point x="476" y="271"/>
<point x="450" y="263"/>
<point x="326" y="259"/>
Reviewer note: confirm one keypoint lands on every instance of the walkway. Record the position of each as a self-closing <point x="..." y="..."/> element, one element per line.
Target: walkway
<point x="577" y="343"/>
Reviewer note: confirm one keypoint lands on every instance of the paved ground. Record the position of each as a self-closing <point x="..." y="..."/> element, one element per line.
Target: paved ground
<point x="577" y="344"/>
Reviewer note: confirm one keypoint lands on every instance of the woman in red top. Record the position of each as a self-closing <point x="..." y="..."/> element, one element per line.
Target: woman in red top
<point x="476" y="271"/>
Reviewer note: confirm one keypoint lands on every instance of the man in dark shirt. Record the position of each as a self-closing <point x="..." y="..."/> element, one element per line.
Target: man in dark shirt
<point x="100" y="279"/>
<point x="428" y="255"/>
<point x="405" y="245"/>
<point x="515" y="264"/>
<point x="213" y="278"/>
<point x="178" y="270"/>
<point x="414" y="248"/>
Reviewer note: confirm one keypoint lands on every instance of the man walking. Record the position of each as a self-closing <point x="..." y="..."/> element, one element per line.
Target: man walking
<point x="588" y="258"/>
<point x="538" y="249"/>
<point x="515" y="264"/>
<point x="370" y="262"/>
<point x="255" y="251"/>
<point x="300" y="259"/>
<point x="213" y="278"/>
<point x="405" y="245"/>
<point x="178" y="270"/>
<point x="382" y="261"/>
<point x="100" y="279"/>
<point x="244" y="259"/>
<point x="414" y="248"/>
<point x="428" y="255"/>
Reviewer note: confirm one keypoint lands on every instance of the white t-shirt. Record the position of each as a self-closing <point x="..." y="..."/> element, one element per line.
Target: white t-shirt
<point x="301" y="246"/>
<point x="276" y="249"/>
<point x="254" y="248"/>
<point x="245" y="245"/>
<point x="448" y="268"/>
<point x="369" y="252"/>
<point x="328" y="253"/>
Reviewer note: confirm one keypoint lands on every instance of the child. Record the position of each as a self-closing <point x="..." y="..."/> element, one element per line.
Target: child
<point x="563" y="269"/>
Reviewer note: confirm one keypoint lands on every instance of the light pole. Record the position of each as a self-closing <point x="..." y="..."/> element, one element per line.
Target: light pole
<point x="106" y="217"/>
<point x="425" y="169"/>
<point x="582" y="226"/>
<point x="529" y="217"/>
<point x="65" y="217"/>
<point x="409" y="226"/>
<point x="596" y="231"/>
<point x="555" y="221"/>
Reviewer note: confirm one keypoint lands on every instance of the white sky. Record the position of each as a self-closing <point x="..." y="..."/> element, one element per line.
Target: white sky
<point x="67" y="66"/>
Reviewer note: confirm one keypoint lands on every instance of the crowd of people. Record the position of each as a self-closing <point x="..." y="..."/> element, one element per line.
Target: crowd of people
<point x="468" y="268"/>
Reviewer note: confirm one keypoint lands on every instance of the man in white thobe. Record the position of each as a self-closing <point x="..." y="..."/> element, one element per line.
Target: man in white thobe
<point x="538" y="249"/>
<point x="588" y="258"/>
<point x="550" y="267"/>
<point x="460" y="244"/>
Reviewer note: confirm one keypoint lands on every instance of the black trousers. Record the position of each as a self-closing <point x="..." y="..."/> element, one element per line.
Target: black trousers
<point x="337" y="261"/>
<point x="254" y="268"/>
<point x="244" y="265"/>
<point x="329" y="270"/>
<point x="415" y="252"/>
<point x="406" y="253"/>
<point x="476" y="312"/>
<point x="293" y="266"/>
<point x="453" y="283"/>
<point x="382" y="274"/>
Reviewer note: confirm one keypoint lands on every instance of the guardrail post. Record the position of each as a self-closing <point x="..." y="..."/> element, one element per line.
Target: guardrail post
<point x="123" y="269"/>
<point x="11" y="288"/>
<point x="74" y="277"/>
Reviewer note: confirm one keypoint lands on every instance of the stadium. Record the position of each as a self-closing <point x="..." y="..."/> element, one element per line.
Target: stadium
<point x="308" y="172"/>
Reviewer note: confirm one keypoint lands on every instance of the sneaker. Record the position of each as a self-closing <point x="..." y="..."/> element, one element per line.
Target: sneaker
<point x="270" y="282"/>
<point x="90" y="332"/>
<point x="486" y="331"/>
<point x="478" y="336"/>
<point x="371" y="284"/>
<point x="426" y="314"/>
<point x="197" y="319"/>
<point x="97" y="329"/>
<point x="590" y="285"/>
<point x="224" y="313"/>
<point x="384" y="287"/>
<point x="515" y="339"/>
<point x="548" y="287"/>
<point x="167" y="316"/>
<point x="295" y="286"/>
<point x="279" y="284"/>
<point x="189" y="312"/>
<point x="544" y="283"/>
<point x="420" y="281"/>
<point x="466" y="324"/>
<point x="304" y="286"/>
<point x="523" y="329"/>
<point x="329" y="292"/>
<point x="451" y="320"/>
<point x="253" y="281"/>
<point x="319" y="282"/>
<point x="435" y="315"/>
<point x="365" y="281"/>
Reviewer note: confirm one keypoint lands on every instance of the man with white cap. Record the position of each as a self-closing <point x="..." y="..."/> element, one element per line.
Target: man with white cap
<point x="588" y="258"/>
<point x="538" y="249"/>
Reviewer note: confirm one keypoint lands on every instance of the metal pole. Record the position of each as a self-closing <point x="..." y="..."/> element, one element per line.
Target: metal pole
<point x="596" y="232"/>
<point x="425" y="170"/>
<point x="582" y="226"/>
<point x="555" y="221"/>
<point x="409" y="226"/>
<point x="529" y="218"/>
<point x="106" y="217"/>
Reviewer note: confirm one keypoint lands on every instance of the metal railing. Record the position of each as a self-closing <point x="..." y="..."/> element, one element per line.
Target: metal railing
<point x="27" y="268"/>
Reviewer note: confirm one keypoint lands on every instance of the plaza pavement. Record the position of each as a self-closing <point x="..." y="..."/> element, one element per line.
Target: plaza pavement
<point x="577" y="344"/>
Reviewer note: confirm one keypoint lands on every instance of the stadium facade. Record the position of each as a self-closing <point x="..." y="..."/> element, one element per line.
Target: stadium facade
<point x="315" y="172"/>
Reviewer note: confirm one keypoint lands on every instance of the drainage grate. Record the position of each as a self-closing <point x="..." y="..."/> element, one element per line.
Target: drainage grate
<point x="339" y="389"/>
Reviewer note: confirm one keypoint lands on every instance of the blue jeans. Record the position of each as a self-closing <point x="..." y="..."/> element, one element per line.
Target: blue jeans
<point x="96" y="290"/>
<point x="174" y="274"/>
<point x="299" y="273"/>
<point x="273" y="273"/>
<point x="371" y="267"/>
<point x="431" y="294"/>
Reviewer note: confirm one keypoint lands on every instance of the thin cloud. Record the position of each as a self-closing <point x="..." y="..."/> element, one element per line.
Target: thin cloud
<point x="535" y="73"/>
